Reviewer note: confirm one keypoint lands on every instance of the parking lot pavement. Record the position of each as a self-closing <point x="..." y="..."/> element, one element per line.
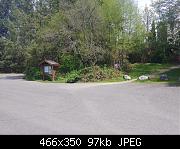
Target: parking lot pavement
<point x="28" y="107"/>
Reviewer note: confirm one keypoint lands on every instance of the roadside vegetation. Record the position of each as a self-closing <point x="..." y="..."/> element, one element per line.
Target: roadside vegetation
<point x="106" y="75"/>
<point x="147" y="69"/>
<point x="88" y="38"/>
<point x="154" y="71"/>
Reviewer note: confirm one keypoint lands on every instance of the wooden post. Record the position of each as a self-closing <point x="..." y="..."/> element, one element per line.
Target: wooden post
<point x="42" y="71"/>
<point x="53" y="75"/>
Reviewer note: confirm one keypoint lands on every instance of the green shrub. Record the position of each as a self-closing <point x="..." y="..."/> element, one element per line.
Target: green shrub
<point x="60" y="78"/>
<point x="96" y="73"/>
<point x="127" y="67"/>
<point x="91" y="74"/>
<point x="32" y="73"/>
<point x="73" y="77"/>
<point x="70" y="63"/>
<point x="111" y="73"/>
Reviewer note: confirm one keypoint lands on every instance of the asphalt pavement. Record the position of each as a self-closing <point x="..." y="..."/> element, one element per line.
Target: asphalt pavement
<point x="28" y="107"/>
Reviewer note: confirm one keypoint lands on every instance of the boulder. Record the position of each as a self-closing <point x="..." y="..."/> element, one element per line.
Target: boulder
<point x="126" y="77"/>
<point x="143" y="78"/>
<point x="164" y="77"/>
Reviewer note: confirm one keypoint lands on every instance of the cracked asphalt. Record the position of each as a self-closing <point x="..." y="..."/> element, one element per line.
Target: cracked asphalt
<point x="117" y="108"/>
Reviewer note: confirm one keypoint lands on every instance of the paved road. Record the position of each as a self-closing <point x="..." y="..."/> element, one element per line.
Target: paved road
<point x="46" y="108"/>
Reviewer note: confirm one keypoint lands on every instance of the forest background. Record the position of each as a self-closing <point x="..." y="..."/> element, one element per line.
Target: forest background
<point x="87" y="36"/>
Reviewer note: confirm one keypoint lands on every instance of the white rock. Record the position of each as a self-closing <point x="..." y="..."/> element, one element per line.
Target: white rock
<point x="143" y="77"/>
<point x="126" y="77"/>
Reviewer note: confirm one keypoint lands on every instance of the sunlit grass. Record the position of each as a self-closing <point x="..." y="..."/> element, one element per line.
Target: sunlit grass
<point x="146" y="69"/>
<point x="155" y="71"/>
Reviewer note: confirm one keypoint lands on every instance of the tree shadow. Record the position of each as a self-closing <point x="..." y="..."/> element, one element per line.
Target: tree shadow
<point x="13" y="77"/>
<point x="171" y="84"/>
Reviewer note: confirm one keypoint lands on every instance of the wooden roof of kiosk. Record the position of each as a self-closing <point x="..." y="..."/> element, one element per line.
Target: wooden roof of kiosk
<point x="49" y="68"/>
<point x="50" y="62"/>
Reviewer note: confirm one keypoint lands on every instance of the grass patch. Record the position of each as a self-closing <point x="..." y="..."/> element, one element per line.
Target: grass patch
<point x="146" y="69"/>
<point x="174" y="74"/>
<point x="173" y="77"/>
<point x="60" y="80"/>
<point x="154" y="71"/>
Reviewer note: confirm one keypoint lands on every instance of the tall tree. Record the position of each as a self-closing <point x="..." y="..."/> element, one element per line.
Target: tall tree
<point x="152" y="36"/>
<point x="5" y="13"/>
<point x="168" y="16"/>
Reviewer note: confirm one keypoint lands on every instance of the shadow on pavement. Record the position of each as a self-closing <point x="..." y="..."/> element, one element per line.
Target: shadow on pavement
<point x="170" y="84"/>
<point x="13" y="77"/>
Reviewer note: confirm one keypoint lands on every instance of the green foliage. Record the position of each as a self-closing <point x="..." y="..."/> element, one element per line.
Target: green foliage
<point x="173" y="75"/>
<point x="152" y="37"/>
<point x="146" y="69"/>
<point x="167" y="28"/>
<point x="60" y="79"/>
<point x="111" y="73"/>
<point x="85" y="34"/>
<point x="73" y="77"/>
<point x="155" y="71"/>
<point x="126" y="67"/>
<point x="96" y="73"/>
<point x="12" y="57"/>
<point x="92" y="31"/>
<point x="70" y="63"/>
<point x="91" y="74"/>
<point x="32" y="73"/>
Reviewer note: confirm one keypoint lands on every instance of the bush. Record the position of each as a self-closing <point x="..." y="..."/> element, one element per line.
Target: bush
<point x="32" y="73"/>
<point x="111" y="73"/>
<point x="96" y="73"/>
<point x="73" y="77"/>
<point x="127" y="67"/>
<point x="70" y="63"/>
<point x="91" y="74"/>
